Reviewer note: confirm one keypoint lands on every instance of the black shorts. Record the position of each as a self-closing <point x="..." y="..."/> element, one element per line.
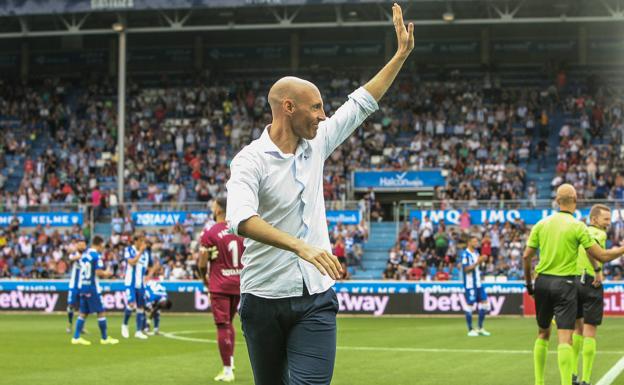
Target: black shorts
<point x="555" y="296"/>
<point x="590" y="301"/>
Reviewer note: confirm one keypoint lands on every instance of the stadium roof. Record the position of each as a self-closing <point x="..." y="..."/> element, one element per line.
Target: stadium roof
<point x="32" y="18"/>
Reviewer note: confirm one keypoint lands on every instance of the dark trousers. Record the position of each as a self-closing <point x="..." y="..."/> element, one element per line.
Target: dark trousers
<point x="291" y="341"/>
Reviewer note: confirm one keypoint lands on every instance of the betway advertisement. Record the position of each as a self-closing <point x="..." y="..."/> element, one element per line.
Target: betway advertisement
<point x="376" y="298"/>
<point x="196" y="301"/>
<point x="51" y="295"/>
<point x="423" y="298"/>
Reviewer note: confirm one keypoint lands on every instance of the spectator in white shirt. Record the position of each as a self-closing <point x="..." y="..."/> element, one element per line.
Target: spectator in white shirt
<point x="426" y="228"/>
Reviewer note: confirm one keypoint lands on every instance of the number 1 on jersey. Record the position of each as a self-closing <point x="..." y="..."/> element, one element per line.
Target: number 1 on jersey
<point x="233" y="248"/>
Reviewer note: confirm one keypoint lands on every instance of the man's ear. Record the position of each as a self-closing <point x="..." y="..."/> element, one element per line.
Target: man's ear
<point x="289" y="106"/>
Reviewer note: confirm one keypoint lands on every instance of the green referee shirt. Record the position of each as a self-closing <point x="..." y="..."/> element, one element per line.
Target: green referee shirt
<point x="558" y="238"/>
<point x="584" y="265"/>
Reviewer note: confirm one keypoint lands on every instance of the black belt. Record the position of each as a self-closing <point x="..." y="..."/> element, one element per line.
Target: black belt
<point x="557" y="276"/>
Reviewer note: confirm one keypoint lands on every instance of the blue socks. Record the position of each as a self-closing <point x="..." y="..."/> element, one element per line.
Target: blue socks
<point x="481" y="318"/>
<point x="156" y="320"/>
<point x="469" y="320"/>
<point x="482" y="313"/>
<point x="140" y="319"/>
<point x="102" y="325"/>
<point x="79" y="325"/>
<point x="70" y="315"/>
<point x="127" y="314"/>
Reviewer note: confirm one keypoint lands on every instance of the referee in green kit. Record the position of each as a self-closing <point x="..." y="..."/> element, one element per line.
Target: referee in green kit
<point x="558" y="237"/>
<point x="590" y="297"/>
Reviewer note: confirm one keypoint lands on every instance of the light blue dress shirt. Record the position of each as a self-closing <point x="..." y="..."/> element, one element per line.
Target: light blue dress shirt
<point x="286" y="190"/>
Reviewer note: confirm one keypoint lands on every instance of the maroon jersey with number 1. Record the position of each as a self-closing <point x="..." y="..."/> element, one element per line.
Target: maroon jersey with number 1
<point x="226" y="268"/>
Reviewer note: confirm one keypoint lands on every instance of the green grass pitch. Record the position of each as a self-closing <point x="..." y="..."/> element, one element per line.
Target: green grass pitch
<point x="34" y="349"/>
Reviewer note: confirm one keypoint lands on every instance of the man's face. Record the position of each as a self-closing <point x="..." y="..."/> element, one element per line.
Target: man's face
<point x="307" y="113"/>
<point x="604" y="219"/>
<point x="474" y="243"/>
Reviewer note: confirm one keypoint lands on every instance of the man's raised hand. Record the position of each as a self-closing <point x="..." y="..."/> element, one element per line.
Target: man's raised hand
<point x="405" y="36"/>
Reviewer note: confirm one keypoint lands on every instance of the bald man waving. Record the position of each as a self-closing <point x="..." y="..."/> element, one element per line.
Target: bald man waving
<point x="558" y="237"/>
<point x="275" y="200"/>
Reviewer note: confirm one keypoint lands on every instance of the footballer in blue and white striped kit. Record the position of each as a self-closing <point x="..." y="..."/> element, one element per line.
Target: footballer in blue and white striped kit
<point x="474" y="291"/>
<point x="155" y="300"/>
<point x="138" y="260"/>
<point x="76" y="248"/>
<point x="91" y="269"/>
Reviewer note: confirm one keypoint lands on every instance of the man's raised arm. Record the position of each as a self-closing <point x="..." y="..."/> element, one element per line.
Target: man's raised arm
<point x="363" y="101"/>
<point x="380" y="83"/>
<point x="605" y="256"/>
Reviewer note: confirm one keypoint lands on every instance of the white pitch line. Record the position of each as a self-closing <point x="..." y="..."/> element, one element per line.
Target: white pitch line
<point x="189" y="339"/>
<point x="176" y="336"/>
<point x="190" y="332"/>
<point x="613" y="373"/>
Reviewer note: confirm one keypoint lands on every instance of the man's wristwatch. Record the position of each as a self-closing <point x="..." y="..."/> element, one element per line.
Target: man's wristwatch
<point x="598" y="269"/>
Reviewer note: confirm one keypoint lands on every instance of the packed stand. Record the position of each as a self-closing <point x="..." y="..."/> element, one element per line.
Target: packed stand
<point x="180" y="139"/>
<point x="347" y="243"/>
<point x="179" y="142"/>
<point x="44" y="252"/>
<point x="426" y="251"/>
<point x="589" y="152"/>
<point x="481" y="136"/>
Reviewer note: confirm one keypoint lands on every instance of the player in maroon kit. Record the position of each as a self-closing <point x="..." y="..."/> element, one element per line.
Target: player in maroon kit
<point x="221" y="253"/>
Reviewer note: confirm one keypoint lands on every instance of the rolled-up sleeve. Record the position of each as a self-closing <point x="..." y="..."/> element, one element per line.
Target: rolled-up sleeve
<point x="242" y="190"/>
<point x="584" y="237"/>
<point x="347" y="118"/>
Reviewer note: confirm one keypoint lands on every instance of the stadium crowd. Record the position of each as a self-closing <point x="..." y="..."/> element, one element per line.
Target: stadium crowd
<point x="589" y="152"/>
<point x="458" y="126"/>
<point x="180" y="139"/>
<point x="347" y="243"/>
<point x="429" y="251"/>
<point x="44" y="252"/>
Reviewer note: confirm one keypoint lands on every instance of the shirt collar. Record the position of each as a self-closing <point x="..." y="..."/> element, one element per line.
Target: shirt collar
<point x="596" y="227"/>
<point x="269" y="147"/>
